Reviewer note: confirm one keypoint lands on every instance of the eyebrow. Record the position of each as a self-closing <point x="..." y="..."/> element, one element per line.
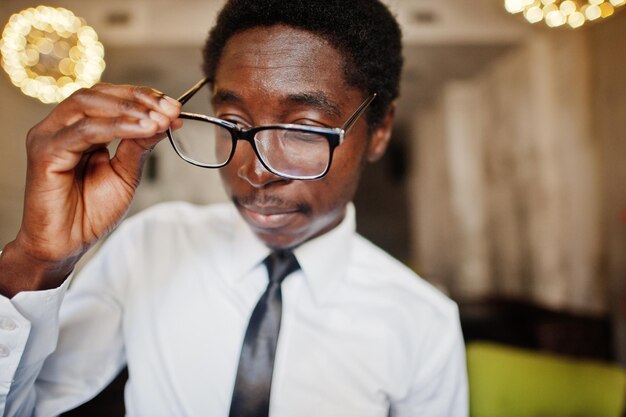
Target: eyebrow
<point x="316" y="99"/>
<point x="226" y="97"/>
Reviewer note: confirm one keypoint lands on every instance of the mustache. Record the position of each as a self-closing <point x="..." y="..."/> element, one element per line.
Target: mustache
<point x="264" y="200"/>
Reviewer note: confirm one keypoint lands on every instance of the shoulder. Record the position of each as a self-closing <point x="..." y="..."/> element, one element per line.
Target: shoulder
<point x="397" y="284"/>
<point x="154" y="241"/>
<point x="181" y="217"/>
<point x="173" y="225"/>
<point x="180" y="212"/>
<point x="415" y="318"/>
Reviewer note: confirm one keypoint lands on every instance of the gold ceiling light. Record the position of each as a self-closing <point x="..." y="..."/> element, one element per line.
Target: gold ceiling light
<point x="560" y="12"/>
<point x="49" y="53"/>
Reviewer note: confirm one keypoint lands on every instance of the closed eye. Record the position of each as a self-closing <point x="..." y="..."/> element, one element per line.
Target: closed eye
<point x="309" y="137"/>
<point x="309" y="122"/>
<point x="236" y="121"/>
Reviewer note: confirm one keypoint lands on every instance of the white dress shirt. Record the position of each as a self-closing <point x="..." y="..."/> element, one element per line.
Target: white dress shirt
<point x="170" y="294"/>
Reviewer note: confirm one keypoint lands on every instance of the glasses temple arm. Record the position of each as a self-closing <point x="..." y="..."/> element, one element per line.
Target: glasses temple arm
<point x="193" y="90"/>
<point x="350" y="122"/>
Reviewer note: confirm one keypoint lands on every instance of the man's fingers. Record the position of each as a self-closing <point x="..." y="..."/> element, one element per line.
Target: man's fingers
<point x="131" y="153"/>
<point x="94" y="117"/>
<point x="105" y="100"/>
<point x="151" y="98"/>
<point x="64" y="149"/>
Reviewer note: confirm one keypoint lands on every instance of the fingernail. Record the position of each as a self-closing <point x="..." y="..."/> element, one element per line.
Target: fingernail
<point x="147" y="123"/>
<point x="168" y="104"/>
<point x="157" y="117"/>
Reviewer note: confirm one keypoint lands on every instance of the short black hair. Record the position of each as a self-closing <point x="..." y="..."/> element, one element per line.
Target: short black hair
<point x="363" y="31"/>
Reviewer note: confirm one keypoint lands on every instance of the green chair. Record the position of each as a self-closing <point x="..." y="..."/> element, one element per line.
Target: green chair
<point x="512" y="382"/>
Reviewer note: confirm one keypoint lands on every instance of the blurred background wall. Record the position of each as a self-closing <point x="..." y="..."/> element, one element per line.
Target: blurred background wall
<point x="506" y="178"/>
<point x="527" y="163"/>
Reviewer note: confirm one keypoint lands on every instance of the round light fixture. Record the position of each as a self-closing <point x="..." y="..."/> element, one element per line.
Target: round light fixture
<point x="559" y="12"/>
<point x="49" y="53"/>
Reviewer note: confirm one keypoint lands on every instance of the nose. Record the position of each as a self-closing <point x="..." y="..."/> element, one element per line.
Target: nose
<point x="250" y="168"/>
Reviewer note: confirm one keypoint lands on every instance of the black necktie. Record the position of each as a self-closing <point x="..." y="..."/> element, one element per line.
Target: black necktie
<point x="251" y="396"/>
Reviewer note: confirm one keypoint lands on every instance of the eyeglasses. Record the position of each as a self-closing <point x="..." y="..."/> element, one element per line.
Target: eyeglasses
<point x="288" y="150"/>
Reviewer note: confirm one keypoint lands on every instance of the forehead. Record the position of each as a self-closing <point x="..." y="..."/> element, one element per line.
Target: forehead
<point x="280" y="60"/>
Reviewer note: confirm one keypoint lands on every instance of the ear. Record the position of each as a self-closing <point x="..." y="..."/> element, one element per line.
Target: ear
<point x="381" y="136"/>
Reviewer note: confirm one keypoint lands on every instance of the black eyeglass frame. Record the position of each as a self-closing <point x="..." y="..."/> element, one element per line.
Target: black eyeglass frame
<point x="334" y="136"/>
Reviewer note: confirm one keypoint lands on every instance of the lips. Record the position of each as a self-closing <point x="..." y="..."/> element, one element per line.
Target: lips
<point x="268" y="217"/>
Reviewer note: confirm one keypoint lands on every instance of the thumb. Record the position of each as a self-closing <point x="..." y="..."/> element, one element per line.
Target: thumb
<point x="130" y="157"/>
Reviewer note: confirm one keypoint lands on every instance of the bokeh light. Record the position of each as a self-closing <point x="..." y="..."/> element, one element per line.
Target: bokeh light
<point x="559" y="12"/>
<point x="49" y="53"/>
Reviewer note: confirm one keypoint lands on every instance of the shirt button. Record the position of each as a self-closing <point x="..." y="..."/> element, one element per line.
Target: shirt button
<point x="7" y="324"/>
<point x="4" y="351"/>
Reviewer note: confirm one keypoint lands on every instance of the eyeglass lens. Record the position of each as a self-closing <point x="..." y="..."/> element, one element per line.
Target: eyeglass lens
<point x="202" y="142"/>
<point x="291" y="153"/>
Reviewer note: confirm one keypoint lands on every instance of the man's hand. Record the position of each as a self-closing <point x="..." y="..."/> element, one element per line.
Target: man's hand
<point x="76" y="193"/>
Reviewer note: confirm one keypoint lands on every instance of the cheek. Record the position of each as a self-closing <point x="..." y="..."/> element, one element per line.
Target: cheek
<point x="228" y="176"/>
<point x="347" y="165"/>
<point x="335" y="190"/>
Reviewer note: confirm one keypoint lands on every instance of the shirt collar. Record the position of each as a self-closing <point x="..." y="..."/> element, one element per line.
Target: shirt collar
<point x="247" y="251"/>
<point x="323" y="260"/>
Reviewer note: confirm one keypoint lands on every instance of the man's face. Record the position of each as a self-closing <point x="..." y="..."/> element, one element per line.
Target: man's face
<point x="279" y="74"/>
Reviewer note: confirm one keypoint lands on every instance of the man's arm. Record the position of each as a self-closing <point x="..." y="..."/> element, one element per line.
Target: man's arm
<point x="75" y="194"/>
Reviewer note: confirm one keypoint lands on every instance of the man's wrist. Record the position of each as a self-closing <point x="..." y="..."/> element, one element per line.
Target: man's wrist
<point x="20" y="271"/>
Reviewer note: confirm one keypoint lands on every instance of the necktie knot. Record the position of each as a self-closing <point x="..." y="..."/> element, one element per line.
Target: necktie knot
<point x="279" y="264"/>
